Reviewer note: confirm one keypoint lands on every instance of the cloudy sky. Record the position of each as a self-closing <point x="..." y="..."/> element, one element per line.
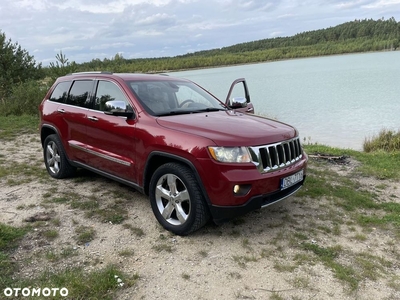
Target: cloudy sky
<point x="90" y="29"/>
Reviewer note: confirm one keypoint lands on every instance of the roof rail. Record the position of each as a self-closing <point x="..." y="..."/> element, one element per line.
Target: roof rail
<point x="91" y="72"/>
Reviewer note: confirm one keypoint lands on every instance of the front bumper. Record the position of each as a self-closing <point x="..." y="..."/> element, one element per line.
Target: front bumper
<point x="224" y="213"/>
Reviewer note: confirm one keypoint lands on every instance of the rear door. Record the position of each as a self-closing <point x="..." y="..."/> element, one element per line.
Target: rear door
<point x="238" y="97"/>
<point x="74" y="119"/>
<point x="110" y="141"/>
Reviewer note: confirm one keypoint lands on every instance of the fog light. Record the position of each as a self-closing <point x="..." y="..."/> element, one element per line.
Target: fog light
<point x="241" y="189"/>
<point x="236" y="188"/>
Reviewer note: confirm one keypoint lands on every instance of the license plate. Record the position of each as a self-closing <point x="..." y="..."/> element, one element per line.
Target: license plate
<point x="291" y="180"/>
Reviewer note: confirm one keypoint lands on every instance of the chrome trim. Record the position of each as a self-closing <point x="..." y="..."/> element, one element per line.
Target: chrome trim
<point x="283" y="198"/>
<point x="108" y="157"/>
<point x="276" y="156"/>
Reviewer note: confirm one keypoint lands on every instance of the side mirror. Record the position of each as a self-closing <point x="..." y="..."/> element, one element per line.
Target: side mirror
<point x="238" y="102"/>
<point x="118" y="108"/>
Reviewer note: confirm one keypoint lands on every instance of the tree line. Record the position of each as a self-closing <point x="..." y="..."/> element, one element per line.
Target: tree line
<point x="351" y="37"/>
<point x="24" y="82"/>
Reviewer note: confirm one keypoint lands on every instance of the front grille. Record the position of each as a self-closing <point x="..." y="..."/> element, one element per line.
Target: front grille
<point x="276" y="156"/>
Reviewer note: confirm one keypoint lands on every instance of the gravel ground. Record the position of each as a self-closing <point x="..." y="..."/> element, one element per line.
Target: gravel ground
<point x="257" y="256"/>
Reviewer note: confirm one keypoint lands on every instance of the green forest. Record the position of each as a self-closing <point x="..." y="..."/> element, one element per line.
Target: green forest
<point x="24" y="82"/>
<point x="351" y="37"/>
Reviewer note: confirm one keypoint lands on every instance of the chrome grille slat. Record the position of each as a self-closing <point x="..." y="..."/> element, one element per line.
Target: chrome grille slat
<point x="276" y="156"/>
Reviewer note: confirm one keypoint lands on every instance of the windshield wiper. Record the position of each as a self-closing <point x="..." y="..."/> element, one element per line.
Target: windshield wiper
<point x="208" y="109"/>
<point x="174" y="112"/>
<point x="183" y="112"/>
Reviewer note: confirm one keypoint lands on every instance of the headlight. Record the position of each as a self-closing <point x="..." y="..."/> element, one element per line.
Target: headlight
<point x="230" y="154"/>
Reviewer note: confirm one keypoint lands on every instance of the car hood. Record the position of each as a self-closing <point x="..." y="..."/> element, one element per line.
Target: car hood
<point x="230" y="128"/>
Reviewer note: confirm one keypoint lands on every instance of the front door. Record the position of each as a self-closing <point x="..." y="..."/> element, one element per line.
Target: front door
<point x="110" y="142"/>
<point x="238" y="97"/>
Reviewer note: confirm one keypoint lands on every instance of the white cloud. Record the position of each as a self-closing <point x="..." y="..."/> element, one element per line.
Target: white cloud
<point x="91" y="29"/>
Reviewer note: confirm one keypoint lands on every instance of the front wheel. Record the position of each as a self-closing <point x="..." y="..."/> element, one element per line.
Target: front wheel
<point x="56" y="162"/>
<point x="176" y="199"/>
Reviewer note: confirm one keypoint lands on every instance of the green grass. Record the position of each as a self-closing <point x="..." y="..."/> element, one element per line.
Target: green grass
<point x="22" y="172"/>
<point x="50" y="234"/>
<point x="386" y="140"/>
<point x="84" y="234"/>
<point x="185" y="276"/>
<point x="126" y="252"/>
<point x="242" y="260"/>
<point x="13" y="126"/>
<point x="101" y="284"/>
<point x="163" y="247"/>
<point x="348" y="194"/>
<point x="113" y="213"/>
<point x="9" y="238"/>
<point x="134" y="230"/>
<point x="380" y="164"/>
<point x="328" y="255"/>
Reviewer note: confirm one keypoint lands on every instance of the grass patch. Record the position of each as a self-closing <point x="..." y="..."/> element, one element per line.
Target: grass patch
<point x="9" y="238"/>
<point x="126" y="252"/>
<point x="50" y="234"/>
<point x="203" y="253"/>
<point x="22" y="173"/>
<point x="380" y="164"/>
<point x="101" y="284"/>
<point x="386" y="140"/>
<point x="134" y="230"/>
<point x="163" y="247"/>
<point x="284" y="267"/>
<point x="242" y="260"/>
<point x="113" y="213"/>
<point x="90" y="204"/>
<point x="14" y="126"/>
<point x="185" y="276"/>
<point x="328" y="257"/>
<point x="348" y="194"/>
<point x="84" y="234"/>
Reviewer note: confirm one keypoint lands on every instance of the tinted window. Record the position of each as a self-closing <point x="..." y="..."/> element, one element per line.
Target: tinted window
<point x="79" y="93"/>
<point x="60" y="92"/>
<point x="108" y="91"/>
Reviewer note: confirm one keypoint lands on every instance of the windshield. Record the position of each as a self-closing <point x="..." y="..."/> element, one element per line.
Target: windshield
<point x="162" y="98"/>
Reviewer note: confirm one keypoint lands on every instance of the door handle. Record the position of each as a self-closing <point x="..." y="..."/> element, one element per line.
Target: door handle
<point x="94" y="119"/>
<point x="61" y="110"/>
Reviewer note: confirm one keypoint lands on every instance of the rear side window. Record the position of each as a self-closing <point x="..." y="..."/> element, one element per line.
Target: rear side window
<point x="79" y="94"/>
<point x="60" y="92"/>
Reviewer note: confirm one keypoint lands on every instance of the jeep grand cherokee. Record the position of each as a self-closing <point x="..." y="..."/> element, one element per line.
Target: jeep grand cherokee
<point x="194" y="156"/>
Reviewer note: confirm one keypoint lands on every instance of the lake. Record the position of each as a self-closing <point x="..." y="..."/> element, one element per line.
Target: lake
<point x="332" y="100"/>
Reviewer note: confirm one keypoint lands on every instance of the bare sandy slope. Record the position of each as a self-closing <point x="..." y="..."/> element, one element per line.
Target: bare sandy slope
<point x="258" y="256"/>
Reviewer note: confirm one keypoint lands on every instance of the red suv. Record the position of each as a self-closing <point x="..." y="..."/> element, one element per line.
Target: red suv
<point x="195" y="156"/>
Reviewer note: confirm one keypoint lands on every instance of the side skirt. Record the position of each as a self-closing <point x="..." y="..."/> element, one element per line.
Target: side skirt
<point x="108" y="175"/>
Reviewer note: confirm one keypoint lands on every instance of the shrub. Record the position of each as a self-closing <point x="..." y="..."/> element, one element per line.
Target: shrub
<point x="386" y="140"/>
<point x="24" y="99"/>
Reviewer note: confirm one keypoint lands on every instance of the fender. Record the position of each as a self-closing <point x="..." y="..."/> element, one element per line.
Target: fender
<point x="170" y="157"/>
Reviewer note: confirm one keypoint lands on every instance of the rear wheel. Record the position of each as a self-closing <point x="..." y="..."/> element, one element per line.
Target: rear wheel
<point x="56" y="162"/>
<point x="176" y="199"/>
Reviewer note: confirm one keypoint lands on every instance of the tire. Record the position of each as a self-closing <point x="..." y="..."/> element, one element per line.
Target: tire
<point x="56" y="162"/>
<point x="176" y="199"/>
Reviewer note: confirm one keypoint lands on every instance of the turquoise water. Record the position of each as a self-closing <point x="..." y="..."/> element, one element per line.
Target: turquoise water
<point x="332" y="100"/>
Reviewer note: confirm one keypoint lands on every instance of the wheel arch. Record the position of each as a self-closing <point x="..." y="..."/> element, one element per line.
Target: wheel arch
<point x="158" y="158"/>
<point x="46" y="131"/>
